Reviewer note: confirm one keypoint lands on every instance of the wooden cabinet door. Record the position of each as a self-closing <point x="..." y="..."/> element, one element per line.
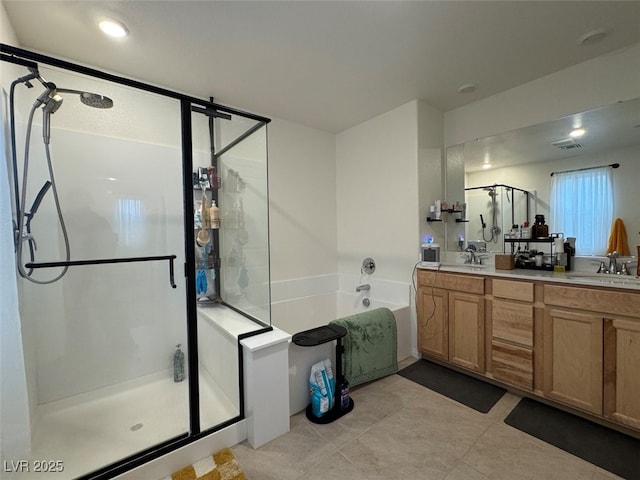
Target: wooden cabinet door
<point x="621" y="378"/>
<point x="573" y="359"/>
<point x="466" y="330"/>
<point x="433" y="331"/>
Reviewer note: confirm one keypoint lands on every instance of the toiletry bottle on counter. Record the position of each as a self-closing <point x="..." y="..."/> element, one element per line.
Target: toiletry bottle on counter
<point x="539" y="229"/>
<point x="214" y="215"/>
<point x="178" y="365"/>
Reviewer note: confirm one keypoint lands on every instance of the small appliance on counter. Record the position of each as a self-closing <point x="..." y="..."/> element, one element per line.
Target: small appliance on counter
<point x="430" y="255"/>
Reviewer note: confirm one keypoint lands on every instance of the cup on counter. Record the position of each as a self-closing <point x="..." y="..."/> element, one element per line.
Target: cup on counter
<point x="539" y="257"/>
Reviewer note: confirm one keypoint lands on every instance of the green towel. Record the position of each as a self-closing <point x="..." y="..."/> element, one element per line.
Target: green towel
<point x="370" y="346"/>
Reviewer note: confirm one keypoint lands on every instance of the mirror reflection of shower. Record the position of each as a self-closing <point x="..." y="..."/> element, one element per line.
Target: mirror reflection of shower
<point x="50" y="100"/>
<point x="495" y="229"/>
<point x="494" y="209"/>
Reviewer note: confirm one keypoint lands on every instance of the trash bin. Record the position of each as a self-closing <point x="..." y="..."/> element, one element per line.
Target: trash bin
<point x="317" y="336"/>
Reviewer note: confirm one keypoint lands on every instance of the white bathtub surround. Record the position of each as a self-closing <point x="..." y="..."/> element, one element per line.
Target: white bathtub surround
<point x="303" y="287"/>
<point x="296" y="314"/>
<point x="381" y="289"/>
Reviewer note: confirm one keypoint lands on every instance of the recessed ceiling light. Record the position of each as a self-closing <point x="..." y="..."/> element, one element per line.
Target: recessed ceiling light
<point x="577" y="133"/>
<point x="486" y="166"/>
<point x="113" y="28"/>
<point x="467" y="88"/>
<point x="592" y="36"/>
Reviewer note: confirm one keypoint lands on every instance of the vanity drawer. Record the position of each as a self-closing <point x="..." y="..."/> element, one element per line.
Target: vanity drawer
<point x="512" y="364"/>
<point x="513" y="290"/>
<point x="450" y="281"/>
<point x="512" y="322"/>
<point x="610" y="302"/>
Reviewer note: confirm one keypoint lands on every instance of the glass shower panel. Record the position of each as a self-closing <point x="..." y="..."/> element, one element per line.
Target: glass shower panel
<point x="231" y="254"/>
<point x="99" y="343"/>
<point x="245" y="234"/>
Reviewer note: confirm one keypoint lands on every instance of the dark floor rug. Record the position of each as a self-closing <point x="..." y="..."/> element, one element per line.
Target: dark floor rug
<point x="601" y="446"/>
<point x="476" y="394"/>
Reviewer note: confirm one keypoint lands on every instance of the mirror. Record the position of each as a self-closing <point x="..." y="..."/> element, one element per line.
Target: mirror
<point x="523" y="160"/>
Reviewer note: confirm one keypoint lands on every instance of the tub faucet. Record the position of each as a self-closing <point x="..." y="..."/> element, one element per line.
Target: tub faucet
<point x="363" y="288"/>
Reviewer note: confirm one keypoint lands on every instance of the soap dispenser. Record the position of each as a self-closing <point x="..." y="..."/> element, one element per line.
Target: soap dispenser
<point x="178" y="365"/>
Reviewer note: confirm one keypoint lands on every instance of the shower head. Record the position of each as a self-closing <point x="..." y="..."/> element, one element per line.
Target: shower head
<point x="94" y="100"/>
<point x="50" y="99"/>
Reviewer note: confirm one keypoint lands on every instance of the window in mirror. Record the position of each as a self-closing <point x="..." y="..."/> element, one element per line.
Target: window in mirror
<point x="581" y="206"/>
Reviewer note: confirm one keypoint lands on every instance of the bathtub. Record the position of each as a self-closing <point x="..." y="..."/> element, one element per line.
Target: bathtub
<point x="299" y="314"/>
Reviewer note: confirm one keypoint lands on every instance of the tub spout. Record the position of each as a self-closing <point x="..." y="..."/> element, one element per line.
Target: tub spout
<point x="363" y="288"/>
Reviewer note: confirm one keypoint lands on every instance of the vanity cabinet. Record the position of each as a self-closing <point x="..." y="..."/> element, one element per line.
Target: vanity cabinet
<point x="433" y="329"/>
<point x="592" y="351"/>
<point x="573" y="358"/>
<point x="451" y="318"/>
<point x="621" y="375"/>
<point x="466" y="330"/>
<point x="512" y="319"/>
<point x="572" y="345"/>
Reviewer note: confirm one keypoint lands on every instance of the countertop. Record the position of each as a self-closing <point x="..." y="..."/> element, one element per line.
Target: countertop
<point x="579" y="278"/>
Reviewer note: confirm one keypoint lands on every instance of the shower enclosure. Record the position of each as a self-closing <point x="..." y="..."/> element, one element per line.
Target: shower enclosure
<point x="492" y="210"/>
<point x="103" y="214"/>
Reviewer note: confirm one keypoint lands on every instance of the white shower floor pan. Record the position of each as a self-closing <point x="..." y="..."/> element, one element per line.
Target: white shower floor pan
<point x="92" y="430"/>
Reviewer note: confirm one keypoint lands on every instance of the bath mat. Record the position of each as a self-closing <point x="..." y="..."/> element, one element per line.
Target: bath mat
<point x="614" y="451"/>
<point x="221" y="465"/>
<point x="473" y="393"/>
<point x="370" y="346"/>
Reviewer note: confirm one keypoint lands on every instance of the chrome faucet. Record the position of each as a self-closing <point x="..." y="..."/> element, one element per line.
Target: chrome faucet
<point x="363" y="288"/>
<point x="613" y="263"/>
<point x="470" y="257"/>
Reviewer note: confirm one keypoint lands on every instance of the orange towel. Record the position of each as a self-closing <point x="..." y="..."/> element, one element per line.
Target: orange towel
<point x="618" y="239"/>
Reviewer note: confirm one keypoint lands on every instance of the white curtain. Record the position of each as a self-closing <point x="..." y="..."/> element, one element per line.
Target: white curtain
<point x="15" y="429"/>
<point x="581" y="206"/>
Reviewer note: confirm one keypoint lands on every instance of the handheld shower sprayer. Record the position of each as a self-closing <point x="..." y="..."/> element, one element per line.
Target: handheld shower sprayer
<point x="50" y="100"/>
<point x="484" y="225"/>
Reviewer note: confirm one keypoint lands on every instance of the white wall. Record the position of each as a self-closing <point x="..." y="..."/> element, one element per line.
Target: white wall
<point x="377" y="194"/>
<point x="430" y="185"/>
<point x="302" y="201"/>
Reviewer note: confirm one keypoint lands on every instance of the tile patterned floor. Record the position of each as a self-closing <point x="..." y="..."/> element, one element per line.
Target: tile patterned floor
<point x="400" y="430"/>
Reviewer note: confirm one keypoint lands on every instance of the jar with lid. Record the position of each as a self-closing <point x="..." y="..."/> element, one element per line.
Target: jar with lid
<point x="539" y="229"/>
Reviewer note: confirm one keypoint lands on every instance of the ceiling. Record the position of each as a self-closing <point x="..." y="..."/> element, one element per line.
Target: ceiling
<point x="328" y="64"/>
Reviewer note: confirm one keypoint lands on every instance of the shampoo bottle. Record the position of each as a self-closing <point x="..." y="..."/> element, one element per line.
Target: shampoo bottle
<point x="214" y="215"/>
